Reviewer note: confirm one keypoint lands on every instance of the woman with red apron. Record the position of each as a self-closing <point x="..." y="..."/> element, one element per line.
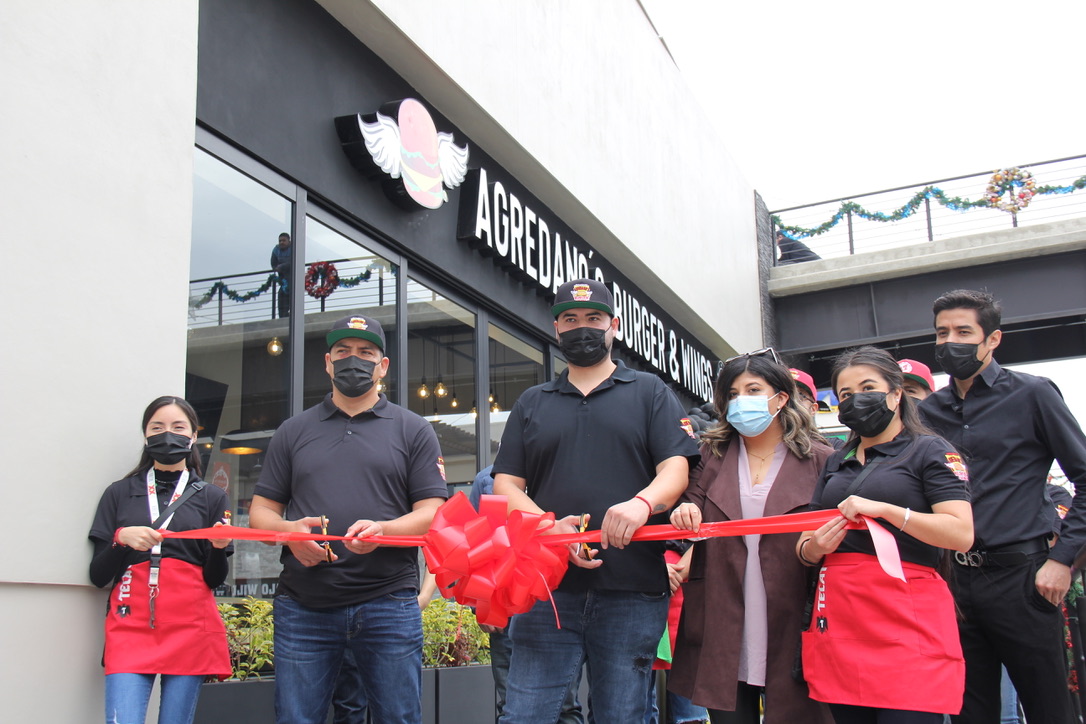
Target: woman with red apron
<point x="879" y="649"/>
<point x="162" y="619"/>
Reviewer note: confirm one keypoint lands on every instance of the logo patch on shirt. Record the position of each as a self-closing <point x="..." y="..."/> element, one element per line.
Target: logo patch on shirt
<point x="688" y="428"/>
<point x="441" y="467"/>
<point x="954" y="462"/>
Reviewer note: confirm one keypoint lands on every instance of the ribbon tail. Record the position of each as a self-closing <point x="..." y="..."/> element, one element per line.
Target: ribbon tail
<point x="885" y="549"/>
<point x="554" y="606"/>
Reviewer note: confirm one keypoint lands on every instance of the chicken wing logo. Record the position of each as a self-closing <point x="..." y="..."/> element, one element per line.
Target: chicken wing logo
<point x="402" y="142"/>
<point x="687" y="427"/>
<point x="357" y="323"/>
<point x="954" y="462"/>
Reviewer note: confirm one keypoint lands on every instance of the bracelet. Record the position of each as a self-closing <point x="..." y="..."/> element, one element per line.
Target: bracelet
<point x="117" y="540"/>
<point x="646" y="502"/>
<point x="803" y="558"/>
<point x="906" y="521"/>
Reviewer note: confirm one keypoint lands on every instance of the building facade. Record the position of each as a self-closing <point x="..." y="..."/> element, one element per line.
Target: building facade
<point x="157" y="153"/>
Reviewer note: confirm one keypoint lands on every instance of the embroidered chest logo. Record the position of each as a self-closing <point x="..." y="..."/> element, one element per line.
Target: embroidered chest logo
<point x="954" y="462"/>
<point x="687" y="427"/>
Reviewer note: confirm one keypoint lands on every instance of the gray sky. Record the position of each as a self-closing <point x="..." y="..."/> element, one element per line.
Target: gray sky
<point x="822" y="100"/>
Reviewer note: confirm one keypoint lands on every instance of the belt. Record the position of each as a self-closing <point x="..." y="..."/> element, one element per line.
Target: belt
<point x="1012" y="554"/>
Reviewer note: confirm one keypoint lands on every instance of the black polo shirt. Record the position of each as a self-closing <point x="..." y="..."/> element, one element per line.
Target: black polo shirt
<point x="124" y="504"/>
<point x="372" y="466"/>
<point x="915" y="472"/>
<point x="582" y="454"/>
<point x="1009" y="428"/>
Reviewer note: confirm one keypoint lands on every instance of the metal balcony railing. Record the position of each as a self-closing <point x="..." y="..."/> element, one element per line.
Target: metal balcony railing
<point x="936" y="210"/>
<point x="253" y="296"/>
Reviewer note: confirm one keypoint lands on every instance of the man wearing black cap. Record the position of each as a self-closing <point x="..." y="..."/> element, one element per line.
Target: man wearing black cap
<point x="613" y="443"/>
<point x="372" y="468"/>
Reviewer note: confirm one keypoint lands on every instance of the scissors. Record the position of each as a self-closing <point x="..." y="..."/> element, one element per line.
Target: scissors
<point x="583" y="527"/>
<point x="327" y="545"/>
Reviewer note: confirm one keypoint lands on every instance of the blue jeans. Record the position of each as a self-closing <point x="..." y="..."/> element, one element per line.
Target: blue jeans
<point x="127" y="696"/>
<point x="385" y="637"/>
<point x="680" y="710"/>
<point x="615" y="632"/>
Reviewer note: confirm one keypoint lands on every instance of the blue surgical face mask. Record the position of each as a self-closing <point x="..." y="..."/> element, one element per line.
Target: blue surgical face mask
<point x="749" y="414"/>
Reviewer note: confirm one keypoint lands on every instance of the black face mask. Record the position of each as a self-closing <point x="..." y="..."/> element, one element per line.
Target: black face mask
<point x="168" y="448"/>
<point x="584" y="346"/>
<point x="353" y="375"/>
<point x="865" y="413"/>
<point x="958" y="359"/>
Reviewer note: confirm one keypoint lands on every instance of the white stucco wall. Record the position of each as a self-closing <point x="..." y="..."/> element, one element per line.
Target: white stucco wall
<point x="581" y="101"/>
<point x="99" y="102"/>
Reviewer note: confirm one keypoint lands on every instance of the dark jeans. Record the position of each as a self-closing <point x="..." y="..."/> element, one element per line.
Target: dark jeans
<point x="1006" y="621"/>
<point x="845" y="714"/>
<point x="349" y="698"/>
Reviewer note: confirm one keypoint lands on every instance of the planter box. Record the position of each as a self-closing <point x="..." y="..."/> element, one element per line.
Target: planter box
<point x="237" y="702"/>
<point x="465" y="695"/>
<point x="455" y="695"/>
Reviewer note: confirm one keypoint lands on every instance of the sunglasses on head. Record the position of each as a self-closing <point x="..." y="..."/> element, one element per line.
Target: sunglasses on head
<point x="763" y="352"/>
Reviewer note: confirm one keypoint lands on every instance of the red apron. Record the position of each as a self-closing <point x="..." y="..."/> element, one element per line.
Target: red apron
<point x="879" y="642"/>
<point x="189" y="636"/>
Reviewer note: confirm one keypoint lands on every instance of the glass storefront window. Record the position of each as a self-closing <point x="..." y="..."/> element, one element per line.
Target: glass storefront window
<point x="366" y="284"/>
<point x="237" y="370"/>
<point x="515" y="365"/>
<point x="441" y="377"/>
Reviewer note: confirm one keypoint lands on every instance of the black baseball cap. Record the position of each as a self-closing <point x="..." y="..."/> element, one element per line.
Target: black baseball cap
<point x="359" y="326"/>
<point x="583" y="294"/>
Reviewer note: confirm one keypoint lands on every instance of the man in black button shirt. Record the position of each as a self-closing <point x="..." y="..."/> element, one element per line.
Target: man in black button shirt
<point x="1009" y="427"/>
<point x="605" y="440"/>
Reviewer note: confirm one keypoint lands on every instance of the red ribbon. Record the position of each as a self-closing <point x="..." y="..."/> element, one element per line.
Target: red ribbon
<point x="502" y="563"/>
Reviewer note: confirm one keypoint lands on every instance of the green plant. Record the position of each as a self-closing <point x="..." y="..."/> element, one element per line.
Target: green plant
<point x="451" y="636"/>
<point x="250" y="636"/>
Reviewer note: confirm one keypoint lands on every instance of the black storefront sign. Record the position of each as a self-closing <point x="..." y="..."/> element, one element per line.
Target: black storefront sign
<point x="501" y="222"/>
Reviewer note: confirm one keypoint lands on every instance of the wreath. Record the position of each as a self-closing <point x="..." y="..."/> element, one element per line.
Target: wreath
<point x="1016" y="182"/>
<point x="321" y="279"/>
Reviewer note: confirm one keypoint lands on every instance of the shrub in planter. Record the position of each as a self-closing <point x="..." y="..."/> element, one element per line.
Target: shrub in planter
<point x="451" y="636"/>
<point x="250" y="635"/>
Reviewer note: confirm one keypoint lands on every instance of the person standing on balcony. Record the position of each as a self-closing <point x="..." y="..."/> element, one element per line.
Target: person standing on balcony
<point x="792" y="250"/>
<point x="280" y="264"/>
<point x="608" y="446"/>
<point x="1008" y="427"/>
<point x="373" y="468"/>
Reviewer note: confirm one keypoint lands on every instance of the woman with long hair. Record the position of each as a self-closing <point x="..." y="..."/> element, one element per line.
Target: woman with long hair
<point x="879" y="649"/>
<point x="162" y="619"/>
<point x="744" y="597"/>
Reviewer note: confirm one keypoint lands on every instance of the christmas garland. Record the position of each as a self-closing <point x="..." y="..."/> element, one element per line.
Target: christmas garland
<point x="1005" y="182"/>
<point x="955" y="203"/>
<point x="349" y="282"/>
<point x="321" y="279"/>
<point x="230" y="293"/>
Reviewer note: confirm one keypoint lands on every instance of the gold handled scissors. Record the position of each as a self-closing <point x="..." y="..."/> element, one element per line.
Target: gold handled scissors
<point x="327" y="545"/>
<point x="583" y="527"/>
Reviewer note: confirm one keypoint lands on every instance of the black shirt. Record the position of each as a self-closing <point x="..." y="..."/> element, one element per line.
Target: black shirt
<point x="583" y="454"/>
<point x="1008" y="429"/>
<point x="124" y="504"/>
<point x="915" y="472"/>
<point x="373" y="466"/>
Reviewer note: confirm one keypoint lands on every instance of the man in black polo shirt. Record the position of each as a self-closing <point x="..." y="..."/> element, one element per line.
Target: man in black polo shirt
<point x="372" y="468"/>
<point x="1008" y="426"/>
<point x="610" y="442"/>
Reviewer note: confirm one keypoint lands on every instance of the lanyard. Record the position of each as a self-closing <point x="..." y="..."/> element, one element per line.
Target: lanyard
<point x="156" y="552"/>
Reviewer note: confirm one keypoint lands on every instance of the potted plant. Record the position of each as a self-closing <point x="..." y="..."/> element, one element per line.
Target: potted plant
<point x="457" y="654"/>
<point x="249" y="694"/>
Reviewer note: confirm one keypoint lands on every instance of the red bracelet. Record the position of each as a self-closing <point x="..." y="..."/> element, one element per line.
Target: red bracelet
<point x="638" y="497"/>
<point x="116" y="539"/>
